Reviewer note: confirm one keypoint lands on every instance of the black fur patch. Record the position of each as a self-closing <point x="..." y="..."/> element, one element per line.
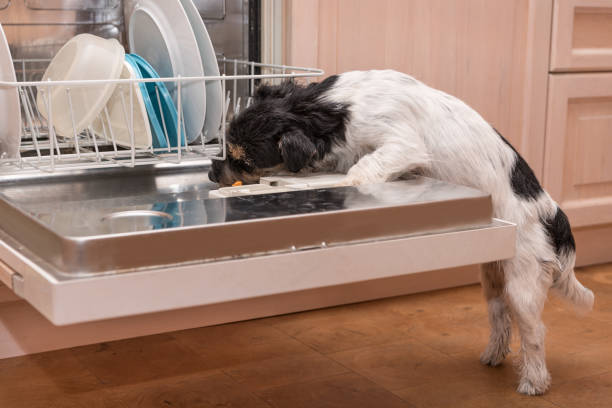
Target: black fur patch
<point x="293" y="110"/>
<point x="560" y="232"/>
<point x="524" y="182"/>
<point x="274" y="91"/>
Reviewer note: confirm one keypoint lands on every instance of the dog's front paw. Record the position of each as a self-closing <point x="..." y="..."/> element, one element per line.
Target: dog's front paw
<point x="348" y="181"/>
<point x="537" y="385"/>
<point x="494" y="354"/>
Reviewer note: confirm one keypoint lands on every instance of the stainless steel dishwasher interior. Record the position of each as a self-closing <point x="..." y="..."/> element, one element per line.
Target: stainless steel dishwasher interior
<point x="104" y="221"/>
<point x="108" y="187"/>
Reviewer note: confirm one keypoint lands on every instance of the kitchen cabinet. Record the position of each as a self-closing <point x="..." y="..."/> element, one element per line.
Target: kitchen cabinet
<point x="535" y="69"/>
<point x="582" y="36"/>
<point x="578" y="171"/>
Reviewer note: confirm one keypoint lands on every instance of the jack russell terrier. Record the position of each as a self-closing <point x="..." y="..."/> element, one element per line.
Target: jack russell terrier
<point x="377" y="126"/>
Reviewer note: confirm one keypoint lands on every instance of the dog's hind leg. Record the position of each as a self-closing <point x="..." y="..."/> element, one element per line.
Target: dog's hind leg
<point x="527" y="284"/>
<point x="492" y="278"/>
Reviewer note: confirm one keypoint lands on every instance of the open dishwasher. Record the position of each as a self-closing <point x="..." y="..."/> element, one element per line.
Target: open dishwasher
<point x="90" y="230"/>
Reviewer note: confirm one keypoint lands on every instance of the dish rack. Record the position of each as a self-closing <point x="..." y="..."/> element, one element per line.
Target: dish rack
<point x="42" y="150"/>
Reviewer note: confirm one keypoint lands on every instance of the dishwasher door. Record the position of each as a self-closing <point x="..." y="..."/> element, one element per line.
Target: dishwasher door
<point x="121" y="242"/>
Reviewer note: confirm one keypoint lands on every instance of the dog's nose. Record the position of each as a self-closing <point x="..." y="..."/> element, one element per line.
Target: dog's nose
<point x="212" y="176"/>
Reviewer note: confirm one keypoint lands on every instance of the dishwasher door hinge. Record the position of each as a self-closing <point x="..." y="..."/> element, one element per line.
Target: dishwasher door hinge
<point x="18" y="284"/>
<point x="10" y="278"/>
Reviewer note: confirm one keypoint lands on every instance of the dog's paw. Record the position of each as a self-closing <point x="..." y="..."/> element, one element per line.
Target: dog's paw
<point x="494" y="355"/>
<point x="348" y="181"/>
<point x="534" y="386"/>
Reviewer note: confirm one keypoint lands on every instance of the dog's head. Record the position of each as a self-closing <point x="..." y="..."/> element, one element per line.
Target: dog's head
<point x="287" y="128"/>
<point x="265" y="138"/>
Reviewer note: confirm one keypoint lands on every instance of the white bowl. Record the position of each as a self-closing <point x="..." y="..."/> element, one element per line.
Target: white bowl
<point x="116" y="124"/>
<point x="84" y="57"/>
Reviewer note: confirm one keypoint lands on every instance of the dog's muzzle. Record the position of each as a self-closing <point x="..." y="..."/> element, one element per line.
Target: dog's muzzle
<point x="212" y="176"/>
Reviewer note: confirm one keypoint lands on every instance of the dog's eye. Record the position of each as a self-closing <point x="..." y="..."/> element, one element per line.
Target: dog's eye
<point x="245" y="165"/>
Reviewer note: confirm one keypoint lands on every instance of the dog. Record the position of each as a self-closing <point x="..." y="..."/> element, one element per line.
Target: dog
<point x="378" y="126"/>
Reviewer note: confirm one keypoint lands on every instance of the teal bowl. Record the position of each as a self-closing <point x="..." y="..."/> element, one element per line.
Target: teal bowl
<point x="157" y="108"/>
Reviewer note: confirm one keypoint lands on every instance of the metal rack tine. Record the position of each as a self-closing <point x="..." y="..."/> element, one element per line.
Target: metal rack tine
<point x="42" y="122"/>
<point x="76" y="136"/>
<point x="237" y="106"/>
<point x="110" y="128"/>
<point x="104" y="132"/>
<point x="27" y="109"/>
<point x="47" y="92"/>
<point x="252" y="82"/>
<point x="187" y="148"/>
<point x="161" y="115"/>
<point x="223" y="122"/>
<point x="235" y="81"/>
<point x="203" y="138"/>
<point x="227" y="102"/>
<point x="92" y="134"/>
<point x="131" y="128"/>
<point x="178" y="116"/>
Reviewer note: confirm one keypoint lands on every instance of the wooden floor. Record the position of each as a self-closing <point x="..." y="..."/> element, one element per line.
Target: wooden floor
<point x="412" y="351"/>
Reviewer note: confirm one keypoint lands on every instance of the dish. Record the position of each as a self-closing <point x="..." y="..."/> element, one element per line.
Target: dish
<point x="154" y="110"/>
<point x="214" y="93"/>
<point x="117" y="123"/>
<point x="160" y="32"/>
<point x="84" y="57"/>
<point x="10" y="110"/>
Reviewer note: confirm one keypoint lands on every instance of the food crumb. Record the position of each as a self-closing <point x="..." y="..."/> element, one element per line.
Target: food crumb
<point x="237" y="183"/>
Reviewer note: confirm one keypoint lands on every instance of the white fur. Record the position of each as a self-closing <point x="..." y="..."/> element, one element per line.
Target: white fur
<point x="398" y="125"/>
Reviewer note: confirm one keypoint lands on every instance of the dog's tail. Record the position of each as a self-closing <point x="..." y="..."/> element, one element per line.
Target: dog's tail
<point x="565" y="284"/>
<point x="569" y="288"/>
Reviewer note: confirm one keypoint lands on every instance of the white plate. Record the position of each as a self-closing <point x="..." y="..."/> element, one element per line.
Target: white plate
<point x="119" y="123"/>
<point x="214" y="96"/>
<point x="159" y="31"/>
<point x="10" y="111"/>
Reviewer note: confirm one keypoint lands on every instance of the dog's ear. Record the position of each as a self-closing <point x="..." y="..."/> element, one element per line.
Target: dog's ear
<point x="296" y="149"/>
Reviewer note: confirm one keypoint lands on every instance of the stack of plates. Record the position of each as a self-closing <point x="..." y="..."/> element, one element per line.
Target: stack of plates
<point x="171" y="36"/>
<point x="158" y="104"/>
<point x="168" y="39"/>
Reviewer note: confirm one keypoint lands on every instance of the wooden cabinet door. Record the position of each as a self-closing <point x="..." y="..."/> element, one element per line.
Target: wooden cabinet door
<point x="582" y="36"/>
<point x="578" y="159"/>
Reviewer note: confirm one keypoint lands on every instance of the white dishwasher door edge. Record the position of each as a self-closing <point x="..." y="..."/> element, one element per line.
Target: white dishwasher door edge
<point x="124" y="294"/>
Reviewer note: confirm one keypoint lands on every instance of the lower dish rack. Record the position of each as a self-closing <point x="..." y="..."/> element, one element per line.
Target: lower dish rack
<point x="41" y="149"/>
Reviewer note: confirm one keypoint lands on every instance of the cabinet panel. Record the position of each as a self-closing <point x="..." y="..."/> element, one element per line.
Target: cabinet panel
<point x="590" y="133"/>
<point x="582" y="36"/>
<point x="578" y="163"/>
<point x="492" y="54"/>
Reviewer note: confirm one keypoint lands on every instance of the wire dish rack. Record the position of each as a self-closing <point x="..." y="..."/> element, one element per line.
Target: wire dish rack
<point x="43" y="150"/>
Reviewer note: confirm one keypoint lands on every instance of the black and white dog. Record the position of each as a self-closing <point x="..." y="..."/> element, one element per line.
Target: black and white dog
<point x="376" y="126"/>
